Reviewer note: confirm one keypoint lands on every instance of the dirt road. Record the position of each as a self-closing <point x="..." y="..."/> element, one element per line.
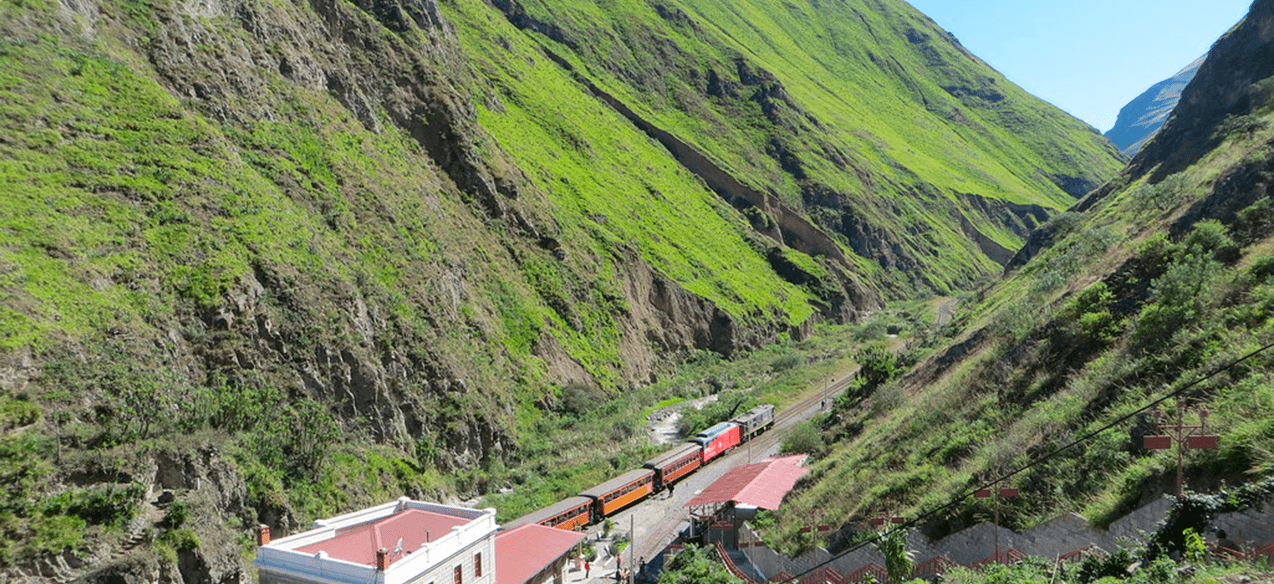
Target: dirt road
<point x="945" y="310"/>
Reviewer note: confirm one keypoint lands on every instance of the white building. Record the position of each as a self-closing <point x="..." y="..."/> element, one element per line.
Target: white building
<point x="395" y="543"/>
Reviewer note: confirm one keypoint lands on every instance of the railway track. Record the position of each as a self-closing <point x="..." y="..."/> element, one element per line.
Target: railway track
<point x="656" y="520"/>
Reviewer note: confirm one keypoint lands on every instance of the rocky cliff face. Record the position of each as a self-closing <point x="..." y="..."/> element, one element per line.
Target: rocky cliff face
<point x="1229" y="83"/>
<point x="1143" y="116"/>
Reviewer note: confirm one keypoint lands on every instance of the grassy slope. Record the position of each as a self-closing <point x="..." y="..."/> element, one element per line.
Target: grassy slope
<point x="863" y="110"/>
<point x="1111" y="316"/>
<point x="611" y="185"/>
<point x="132" y="218"/>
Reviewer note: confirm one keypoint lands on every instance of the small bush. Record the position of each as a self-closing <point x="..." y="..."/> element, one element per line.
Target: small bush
<point x="804" y="438"/>
<point x="877" y="365"/>
<point x="1179" y="297"/>
<point x="1213" y="238"/>
<point x="578" y="398"/>
<point x="785" y="362"/>
<point x="181" y="539"/>
<point x="55" y="534"/>
<point x="178" y="513"/>
<point x="1243" y="125"/>
<point x="1092" y="316"/>
<point x="1262" y="269"/>
<point x="1163" y="195"/>
<point x="15" y="413"/>
<point x="872" y="330"/>
<point x="695" y="565"/>
<point x="109" y="505"/>
<point x="1095" y="567"/>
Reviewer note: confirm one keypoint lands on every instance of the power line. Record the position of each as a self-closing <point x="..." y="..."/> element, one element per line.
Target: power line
<point x="1045" y="458"/>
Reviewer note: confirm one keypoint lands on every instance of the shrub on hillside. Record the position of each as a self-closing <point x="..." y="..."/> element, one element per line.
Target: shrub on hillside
<point x="1242" y="125"/>
<point x="1179" y="297"/>
<point x="1091" y="314"/>
<point x="877" y="365"/>
<point x="804" y="438"/>
<point x="695" y="565"/>
<point x="727" y="406"/>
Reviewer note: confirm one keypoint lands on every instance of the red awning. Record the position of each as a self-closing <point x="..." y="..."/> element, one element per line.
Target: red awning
<point x="523" y="552"/>
<point x="763" y="484"/>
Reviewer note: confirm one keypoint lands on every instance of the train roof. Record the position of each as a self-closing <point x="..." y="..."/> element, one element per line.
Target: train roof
<point x="537" y="516"/>
<point x="672" y="455"/>
<point x="715" y="430"/>
<point x="617" y="482"/>
<point x="754" y="412"/>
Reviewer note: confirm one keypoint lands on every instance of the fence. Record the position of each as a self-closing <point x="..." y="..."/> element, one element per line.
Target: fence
<point x="1067" y="537"/>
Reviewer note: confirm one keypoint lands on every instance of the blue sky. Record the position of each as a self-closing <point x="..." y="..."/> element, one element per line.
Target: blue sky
<point x="1088" y="57"/>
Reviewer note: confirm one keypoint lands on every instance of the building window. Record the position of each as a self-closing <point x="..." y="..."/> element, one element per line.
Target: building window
<point x="459" y="575"/>
<point x="477" y="565"/>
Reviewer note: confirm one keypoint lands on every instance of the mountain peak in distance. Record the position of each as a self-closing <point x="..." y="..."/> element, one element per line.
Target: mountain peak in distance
<point x="1142" y="117"/>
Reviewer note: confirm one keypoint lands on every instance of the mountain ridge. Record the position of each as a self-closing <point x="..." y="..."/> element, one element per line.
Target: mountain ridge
<point x="1141" y="118"/>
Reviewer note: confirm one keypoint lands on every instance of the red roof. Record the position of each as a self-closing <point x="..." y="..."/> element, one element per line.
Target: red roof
<point x="523" y="552"/>
<point x="359" y="543"/>
<point x="761" y="485"/>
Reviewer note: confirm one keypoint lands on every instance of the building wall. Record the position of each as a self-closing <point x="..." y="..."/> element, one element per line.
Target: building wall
<point x="1061" y="535"/>
<point x="279" y="562"/>
<point x="267" y="577"/>
<point x="555" y="574"/>
<point x="444" y="572"/>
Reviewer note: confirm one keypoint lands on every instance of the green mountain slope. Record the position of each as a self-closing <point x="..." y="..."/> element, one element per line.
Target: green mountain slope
<point x="1152" y="288"/>
<point x="283" y="259"/>
<point x="863" y="116"/>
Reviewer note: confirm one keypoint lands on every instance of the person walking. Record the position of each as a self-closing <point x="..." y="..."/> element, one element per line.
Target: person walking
<point x="587" y="567"/>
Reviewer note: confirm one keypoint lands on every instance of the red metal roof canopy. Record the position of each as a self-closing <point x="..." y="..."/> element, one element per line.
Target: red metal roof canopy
<point x="763" y="484"/>
<point x="525" y="551"/>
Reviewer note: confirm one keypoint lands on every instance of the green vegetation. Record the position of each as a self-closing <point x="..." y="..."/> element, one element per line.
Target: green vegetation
<point x="727" y="405"/>
<point x="553" y="463"/>
<point x="315" y="268"/>
<point x="695" y="565"/>
<point x="1095" y="327"/>
<point x="759" y="91"/>
<point x="303" y="287"/>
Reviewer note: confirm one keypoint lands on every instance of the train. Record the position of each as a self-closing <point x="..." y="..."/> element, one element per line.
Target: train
<point x="594" y="505"/>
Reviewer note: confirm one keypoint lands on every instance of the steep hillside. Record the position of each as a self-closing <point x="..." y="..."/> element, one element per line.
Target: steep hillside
<point x="863" y="116"/>
<point x="264" y="256"/>
<point x="1144" y="115"/>
<point x="1157" y="287"/>
<point x="266" y="260"/>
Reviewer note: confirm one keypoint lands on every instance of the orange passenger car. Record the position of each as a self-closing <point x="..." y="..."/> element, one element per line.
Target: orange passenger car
<point x="674" y="464"/>
<point x="619" y="492"/>
<point x="569" y="514"/>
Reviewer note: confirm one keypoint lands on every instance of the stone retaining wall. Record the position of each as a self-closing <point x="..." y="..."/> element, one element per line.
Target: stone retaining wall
<point x="1058" y="536"/>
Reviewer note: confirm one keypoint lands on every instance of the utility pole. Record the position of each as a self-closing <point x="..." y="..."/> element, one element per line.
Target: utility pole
<point x="995" y="495"/>
<point x="632" y="546"/>
<point x="1192" y="436"/>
